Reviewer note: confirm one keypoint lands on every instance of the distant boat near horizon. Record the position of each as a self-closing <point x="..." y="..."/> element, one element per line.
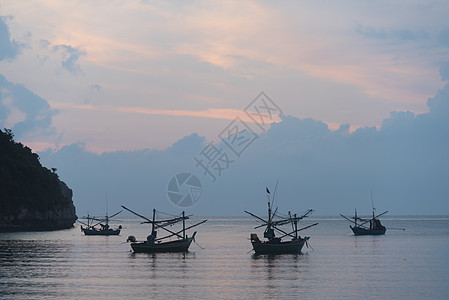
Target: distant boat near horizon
<point x="368" y="226"/>
<point x="375" y="226"/>
<point x="274" y="244"/>
<point x="153" y="244"/>
<point x="99" y="225"/>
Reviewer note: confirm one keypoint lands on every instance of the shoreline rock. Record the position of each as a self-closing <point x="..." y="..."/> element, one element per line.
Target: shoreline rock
<point x="32" y="197"/>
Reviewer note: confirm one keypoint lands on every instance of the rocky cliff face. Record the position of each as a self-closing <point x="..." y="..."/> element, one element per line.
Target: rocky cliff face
<point x="26" y="218"/>
<point x="31" y="196"/>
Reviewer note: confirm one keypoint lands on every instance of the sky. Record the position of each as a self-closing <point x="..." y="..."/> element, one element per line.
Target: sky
<point x="121" y="96"/>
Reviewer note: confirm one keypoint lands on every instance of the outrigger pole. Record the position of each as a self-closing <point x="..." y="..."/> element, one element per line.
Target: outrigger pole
<point x="268" y="224"/>
<point x="152" y="222"/>
<point x="187" y="228"/>
<point x="156" y="224"/>
<point x="374" y="217"/>
<point x="296" y="230"/>
<point x="364" y="220"/>
<point x="106" y="219"/>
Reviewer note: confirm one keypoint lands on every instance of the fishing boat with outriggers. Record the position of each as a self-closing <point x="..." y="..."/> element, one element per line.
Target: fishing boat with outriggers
<point x="153" y="244"/>
<point x="362" y="228"/>
<point x="274" y="244"/>
<point x="99" y="225"/>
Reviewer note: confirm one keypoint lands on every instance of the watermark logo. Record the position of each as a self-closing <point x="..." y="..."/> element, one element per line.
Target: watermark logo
<point x="184" y="190"/>
<point x="215" y="159"/>
<point x="262" y="110"/>
<point x="237" y="136"/>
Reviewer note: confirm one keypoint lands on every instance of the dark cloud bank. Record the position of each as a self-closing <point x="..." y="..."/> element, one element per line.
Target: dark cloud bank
<point x="405" y="163"/>
<point x="8" y="48"/>
<point x="32" y="112"/>
<point x="37" y="114"/>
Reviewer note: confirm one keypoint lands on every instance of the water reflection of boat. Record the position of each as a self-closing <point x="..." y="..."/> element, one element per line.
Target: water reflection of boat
<point x="274" y="244"/>
<point x="154" y="244"/>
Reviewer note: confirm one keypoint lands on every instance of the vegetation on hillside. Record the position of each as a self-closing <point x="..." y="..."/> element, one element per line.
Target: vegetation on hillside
<point x="26" y="185"/>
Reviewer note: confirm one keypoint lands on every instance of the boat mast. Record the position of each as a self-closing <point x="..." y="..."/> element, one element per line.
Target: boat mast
<point x="269" y="213"/>
<point x="296" y="227"/>
<point x="269" y="232"/>
<point x="107" y="219"/>
<point x="355" y="218"/>
<point x="372" y="204"/>
<point x="183" y="226"/>
<point x="154" y="219"/>
<point x="291" y="220"/>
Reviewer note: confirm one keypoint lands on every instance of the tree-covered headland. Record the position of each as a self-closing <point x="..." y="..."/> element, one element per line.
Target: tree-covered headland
<point x="31" y="196"/>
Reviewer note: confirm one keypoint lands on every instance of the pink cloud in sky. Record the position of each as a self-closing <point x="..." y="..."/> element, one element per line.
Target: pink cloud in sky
<point x="350" y="62"/>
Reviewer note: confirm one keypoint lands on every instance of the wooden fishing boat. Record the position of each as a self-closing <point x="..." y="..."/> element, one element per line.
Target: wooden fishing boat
<point x="276" y="245"/>
<point x="153" y="244"/>
<point x="99" y="225"/>
<point x="362" y="228"/>
<point x="367" y="226"/>
<point x="181" y="245"/>
<point x="101" y="231"/>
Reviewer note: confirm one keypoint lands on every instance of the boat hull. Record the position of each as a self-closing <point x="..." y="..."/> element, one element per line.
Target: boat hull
<point x="294" y="246"/>
<point x="101" y="232"/>
<point x="364" y="231"/>
<point x="174" y="246"/>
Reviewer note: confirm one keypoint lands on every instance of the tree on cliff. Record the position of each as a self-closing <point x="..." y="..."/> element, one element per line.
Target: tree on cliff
<point x="31" y="196"/>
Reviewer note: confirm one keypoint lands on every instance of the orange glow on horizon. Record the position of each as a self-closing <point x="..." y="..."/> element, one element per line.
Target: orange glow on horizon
<point x="214" y="113"/>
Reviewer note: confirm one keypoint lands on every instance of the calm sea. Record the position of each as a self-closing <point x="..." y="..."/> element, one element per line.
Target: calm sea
<point x="410" y="264"/>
